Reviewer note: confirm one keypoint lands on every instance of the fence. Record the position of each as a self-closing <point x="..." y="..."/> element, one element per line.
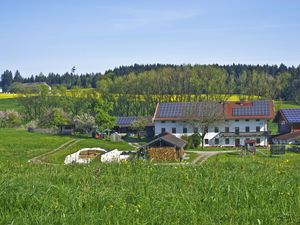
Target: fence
<point x="43" y="130"/>
<point x="277" y="149"/>
<point x="294" y="149"/>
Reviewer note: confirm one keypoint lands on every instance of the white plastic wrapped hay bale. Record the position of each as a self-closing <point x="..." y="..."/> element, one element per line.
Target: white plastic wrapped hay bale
<point x="112" y="156"/>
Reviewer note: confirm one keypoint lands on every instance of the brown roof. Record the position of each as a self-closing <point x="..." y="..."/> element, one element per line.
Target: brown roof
<point x="169" y="138"/>
<point x="288" y="136"/>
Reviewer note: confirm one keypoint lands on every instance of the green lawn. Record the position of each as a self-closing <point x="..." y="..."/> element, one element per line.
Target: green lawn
<point x="227" y="189"/>
<point x="20" y="145"/>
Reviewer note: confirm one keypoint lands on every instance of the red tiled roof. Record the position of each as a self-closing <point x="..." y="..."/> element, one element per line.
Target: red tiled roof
<point x="288" y="136"/>
<point x="229" y="106"/>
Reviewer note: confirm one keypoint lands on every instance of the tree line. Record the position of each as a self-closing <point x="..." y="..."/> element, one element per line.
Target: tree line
<point x="89" y="80"/>
<point x="138" y="94"/>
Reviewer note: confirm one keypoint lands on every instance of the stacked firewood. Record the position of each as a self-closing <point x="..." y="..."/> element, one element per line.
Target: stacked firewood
<point x="163" y="154"/>
<point x="89" y="154"/>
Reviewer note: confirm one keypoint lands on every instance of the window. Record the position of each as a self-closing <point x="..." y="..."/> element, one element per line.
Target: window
<point x="206" y="141"/>
<point x="257" y="129"/>
<point x="174" y="130"/>
<point x="163" y="130"/>
<point x="237" y="120"/>
<point x="258" y="141"/>
<point x="163" y="121"/>
<point x="237" y="130"/>
<point x="173" y="121"/>
<point x="226" y="120"/>
<point x="184" y="130"/>
<point x="196" y="130"/>
<point x="247" y="120"/>
<point x="216" y="129"/>
<point x="227" y="142"/>
<point x="217" y="141"/>
<point x="247" y="129"/>
<point x="257" y="120"/>
<point x="226" y="129"/>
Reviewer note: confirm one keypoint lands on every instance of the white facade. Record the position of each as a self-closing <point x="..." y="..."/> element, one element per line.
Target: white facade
<point x="224" y="133"/>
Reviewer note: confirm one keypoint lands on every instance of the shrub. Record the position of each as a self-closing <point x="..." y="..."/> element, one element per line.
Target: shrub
<point x="10" y="118"/>
<point x="193" y="141"/>
<point x="54" y="117"/>
<point x="84" y="122"/>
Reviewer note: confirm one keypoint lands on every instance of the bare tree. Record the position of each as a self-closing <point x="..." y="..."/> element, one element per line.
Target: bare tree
<point x="202" y="115"/>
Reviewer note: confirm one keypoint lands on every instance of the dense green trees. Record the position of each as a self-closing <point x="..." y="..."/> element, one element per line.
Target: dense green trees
<point x="138" y="94"/>
<point x="6" y="80"/>
<point x="135" y="90"/>
<point x="245" y="78"/>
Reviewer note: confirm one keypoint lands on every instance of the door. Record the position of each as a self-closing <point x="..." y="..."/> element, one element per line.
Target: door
<point x="237" y="142"/>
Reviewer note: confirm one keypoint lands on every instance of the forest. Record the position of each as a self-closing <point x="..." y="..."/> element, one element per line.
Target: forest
<point x="135" y="90"/>
<point x="252" y="76"/>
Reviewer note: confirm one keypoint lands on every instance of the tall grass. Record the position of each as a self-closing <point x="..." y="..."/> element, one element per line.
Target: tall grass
<point x="228" y="189"/>
<point x="146" y="194"/>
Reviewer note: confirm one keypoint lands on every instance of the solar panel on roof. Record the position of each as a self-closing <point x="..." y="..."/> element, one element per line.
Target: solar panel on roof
<point x="292" y="115"/>
<point x="125" y="120"/>
<point x="259" y="108"/>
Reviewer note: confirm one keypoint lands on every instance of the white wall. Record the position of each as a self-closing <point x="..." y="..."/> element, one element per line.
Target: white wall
<point x="242" y="124"/>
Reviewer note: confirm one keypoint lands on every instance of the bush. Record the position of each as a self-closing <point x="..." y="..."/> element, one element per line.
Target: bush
<point x="84" y="122"/>
<point x="10" y="118"/>
<point x="193" y="141"/>
<point x="54" y="117"/>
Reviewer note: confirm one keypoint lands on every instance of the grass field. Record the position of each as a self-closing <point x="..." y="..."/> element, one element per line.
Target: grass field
<point x="228" y="189"/>
<point x="9" y="103"/>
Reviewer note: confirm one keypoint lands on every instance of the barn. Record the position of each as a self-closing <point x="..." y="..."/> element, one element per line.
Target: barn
<point x="166" y="147"/>
<point x="288" y="121"/>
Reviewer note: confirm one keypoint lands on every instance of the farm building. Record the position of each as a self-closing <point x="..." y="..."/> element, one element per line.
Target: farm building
<point x="243" y="120"/>
<point x="115" y="137"/>
<point x="289" y="138"/>
<point x="288" y="121"/>
<point x="166" y="147"/>
<point x="124" y="125"/>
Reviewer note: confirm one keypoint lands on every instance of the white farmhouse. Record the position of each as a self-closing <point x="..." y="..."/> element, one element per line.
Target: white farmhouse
<point x="244" y="120"/>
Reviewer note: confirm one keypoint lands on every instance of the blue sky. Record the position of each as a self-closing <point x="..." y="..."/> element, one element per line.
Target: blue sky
<point x="52" y="36"/>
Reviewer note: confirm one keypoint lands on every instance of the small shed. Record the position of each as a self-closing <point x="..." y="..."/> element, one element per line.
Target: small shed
<point x="115" y="137"/>
<point x="66" y="129"/>
<point x="166" y="147"/>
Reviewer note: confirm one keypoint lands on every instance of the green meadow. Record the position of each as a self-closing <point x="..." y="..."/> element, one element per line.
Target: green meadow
<point x="227" y="189"/>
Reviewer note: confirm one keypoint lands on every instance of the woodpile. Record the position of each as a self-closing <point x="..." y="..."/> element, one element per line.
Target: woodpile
<point x="90" y="154"/>
<point x="164" y="154"/>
